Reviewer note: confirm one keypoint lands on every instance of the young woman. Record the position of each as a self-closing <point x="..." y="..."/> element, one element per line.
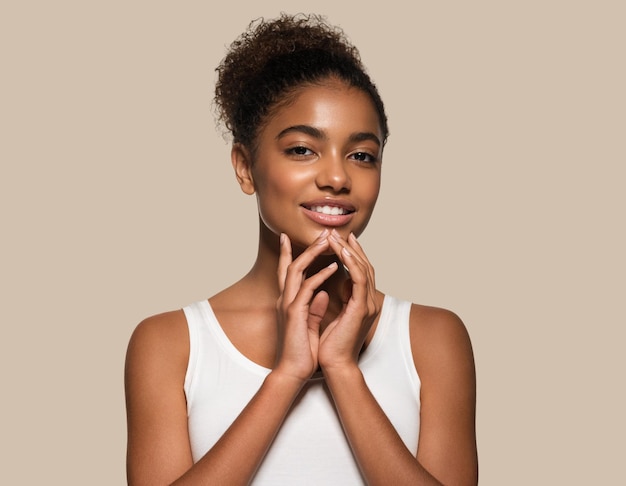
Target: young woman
<point x="302" y="372"/>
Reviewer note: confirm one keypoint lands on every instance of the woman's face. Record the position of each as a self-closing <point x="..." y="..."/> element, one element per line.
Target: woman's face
<point x="318" y="163"/>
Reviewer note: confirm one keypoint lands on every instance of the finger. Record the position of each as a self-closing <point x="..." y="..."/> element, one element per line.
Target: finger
<point x="307" y="288"/>
<point x="347" y="255"/>
<point x="347" y="291"/>
<point x="357" y="290"/>
<point x="362" y="286"/>
<point x="284" y="259"/>
<point x="356" y="246"/>
<point x="373" y="306"/>
<point x="295" y="271"/>
<point x="317" y="309"/>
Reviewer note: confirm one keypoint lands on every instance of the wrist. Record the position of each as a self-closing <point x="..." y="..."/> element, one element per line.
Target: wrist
<point x="344" y="373"/>
<point x="284" y="381"/>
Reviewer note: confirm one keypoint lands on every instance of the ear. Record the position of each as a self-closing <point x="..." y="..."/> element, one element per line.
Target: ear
<point x="242" y="163"/>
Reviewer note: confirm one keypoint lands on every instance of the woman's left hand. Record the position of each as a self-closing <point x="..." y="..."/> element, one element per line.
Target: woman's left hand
<point x="342" y="341"/>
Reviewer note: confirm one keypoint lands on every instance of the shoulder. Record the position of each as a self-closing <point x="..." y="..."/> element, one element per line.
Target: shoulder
<point x="168" y="327"/>
<point x="154" y="376"/>
<point x="440" y="342"/>
<point x="443" y="357"/>
<point x="435" y="323"/>
<point x="159" y="343"/>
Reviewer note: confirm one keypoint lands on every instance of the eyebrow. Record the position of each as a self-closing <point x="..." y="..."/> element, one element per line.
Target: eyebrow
<point x="306" y="129"/>
<point x="363" y="136"/>
<point x="321" y="135"/>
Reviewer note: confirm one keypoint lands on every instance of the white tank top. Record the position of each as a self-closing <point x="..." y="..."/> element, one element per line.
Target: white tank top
<point x="311" y="447"/>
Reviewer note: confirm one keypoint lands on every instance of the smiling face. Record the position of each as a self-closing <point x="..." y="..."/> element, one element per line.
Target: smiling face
<point x="317" y="163"/>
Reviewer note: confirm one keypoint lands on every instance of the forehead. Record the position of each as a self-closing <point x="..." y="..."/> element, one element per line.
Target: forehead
<point x="332" y="106"/>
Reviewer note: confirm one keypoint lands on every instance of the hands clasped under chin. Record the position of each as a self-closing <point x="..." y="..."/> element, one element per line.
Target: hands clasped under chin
<point x="300" y="309"/>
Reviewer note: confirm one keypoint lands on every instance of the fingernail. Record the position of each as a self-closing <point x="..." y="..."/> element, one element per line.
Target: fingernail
<point x="324" y="233"/>
<point x="282" y="238"/>
<point x="332" y="265"/>
<point x="334" y="235"/>
<point x="345" y="251"/>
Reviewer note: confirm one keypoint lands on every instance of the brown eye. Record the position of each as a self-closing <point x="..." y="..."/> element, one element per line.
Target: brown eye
<point x="364" y="157"/>
<point x="300" y="151"/>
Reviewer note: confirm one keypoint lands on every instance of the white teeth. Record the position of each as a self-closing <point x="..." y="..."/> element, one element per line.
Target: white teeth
<point x="332" y="210"/>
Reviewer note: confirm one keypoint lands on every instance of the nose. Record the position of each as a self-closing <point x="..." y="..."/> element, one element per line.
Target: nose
<point x="333" y="174"/>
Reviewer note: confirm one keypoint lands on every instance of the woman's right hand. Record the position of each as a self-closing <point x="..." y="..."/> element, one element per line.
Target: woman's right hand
<point x="299" y="309"/>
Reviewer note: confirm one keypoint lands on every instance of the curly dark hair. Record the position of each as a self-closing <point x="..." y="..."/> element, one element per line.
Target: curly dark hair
<point x="272" y="58"/>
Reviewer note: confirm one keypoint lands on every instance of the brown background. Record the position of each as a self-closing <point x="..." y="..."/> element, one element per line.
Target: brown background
<point x="503" y="199"/>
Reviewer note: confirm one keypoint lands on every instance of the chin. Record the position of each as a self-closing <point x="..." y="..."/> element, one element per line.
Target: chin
<point x="299" y="242"/>
<point x="301" y="239"/>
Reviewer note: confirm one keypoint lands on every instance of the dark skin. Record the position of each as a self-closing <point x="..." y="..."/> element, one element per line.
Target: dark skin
<point x="298" y="310"/>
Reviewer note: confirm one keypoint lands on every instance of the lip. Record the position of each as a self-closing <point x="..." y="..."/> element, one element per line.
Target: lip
<point x="329" y="219"/>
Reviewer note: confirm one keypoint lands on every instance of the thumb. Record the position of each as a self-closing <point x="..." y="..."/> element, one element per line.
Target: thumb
<point x="317" y="309"/>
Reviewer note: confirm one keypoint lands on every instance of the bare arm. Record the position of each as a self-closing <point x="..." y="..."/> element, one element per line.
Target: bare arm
<point x="159" y="451"/>
<point x="382" y="456"/>
<point x="443" y="355"/>
<point x="444" y="358"/>
<point x="158" y="442"/>
<point x="447" y="447"/>
<point x="236" y="456"/>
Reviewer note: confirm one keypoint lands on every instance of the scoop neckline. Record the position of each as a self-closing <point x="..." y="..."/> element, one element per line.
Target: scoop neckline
<point x="255" y="367"/>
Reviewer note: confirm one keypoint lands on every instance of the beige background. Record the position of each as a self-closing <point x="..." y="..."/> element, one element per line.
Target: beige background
<point x="502" y="199"/>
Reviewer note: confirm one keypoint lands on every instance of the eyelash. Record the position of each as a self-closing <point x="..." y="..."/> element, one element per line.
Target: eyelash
<point x="369" y="158"/>
<point x="361" y="157"/>
<point x="294" y="151"/>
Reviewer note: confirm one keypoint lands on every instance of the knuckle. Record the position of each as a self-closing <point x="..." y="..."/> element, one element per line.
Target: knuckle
<point x="290" y="311"/>
<point x="294" y="267"/>
<point x="310" y="283"/>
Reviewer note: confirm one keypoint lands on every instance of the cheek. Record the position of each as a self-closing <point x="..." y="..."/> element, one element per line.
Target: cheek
<point x="278" y="191"/>
<point x="370" y="189"/>
<point x="281" y="184"/>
